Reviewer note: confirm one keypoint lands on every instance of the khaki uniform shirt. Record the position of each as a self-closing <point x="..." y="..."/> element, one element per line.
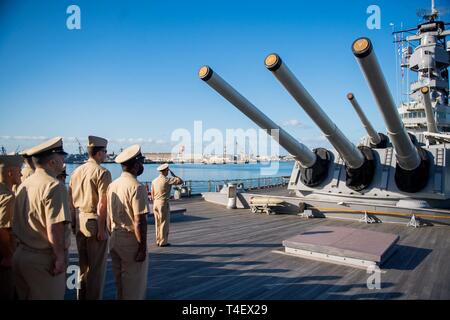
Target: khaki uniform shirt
<point x="126" y="199"/>
<point x="41" y="200"/>
<point x="6" y="206"/>
<point x="87" y="184"/>
<point x="26" y="172"/>
<point x="162" y="185"/>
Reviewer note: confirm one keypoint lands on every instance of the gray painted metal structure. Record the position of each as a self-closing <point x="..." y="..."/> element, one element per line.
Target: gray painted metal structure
<point x="382" y="199"/>
<point x="351" y="155"/>
<point x="373" y="135"/>
<point x="302" y="153"/>
<point x="431" y="123"/>
<point x="406" y="153"/>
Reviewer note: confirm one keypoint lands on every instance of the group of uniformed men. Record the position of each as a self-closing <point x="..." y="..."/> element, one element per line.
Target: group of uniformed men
<point x="37" y="212"/>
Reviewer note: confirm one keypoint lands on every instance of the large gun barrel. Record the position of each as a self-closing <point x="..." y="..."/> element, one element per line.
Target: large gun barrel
<point x="351" y="155"/>
<point x="431" y="123"/>
<point x="301" y="153"/>
<point x="407" y="155"/>
<point x="373" y="135"/>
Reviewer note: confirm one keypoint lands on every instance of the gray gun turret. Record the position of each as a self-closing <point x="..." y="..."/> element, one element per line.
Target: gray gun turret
<point x="431" y="123"/>
<point x="386" y="178"/>
<point x="351" y="155"/>
<point x="359" y="162"/>
<point x="305" y="156"/>
<point x="411" y="174"/>
<point x="377" y="140"/>
<point x="314" y="164"/>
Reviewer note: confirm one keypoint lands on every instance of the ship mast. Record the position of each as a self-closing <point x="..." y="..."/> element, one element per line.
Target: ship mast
<point x="427" y="54"/>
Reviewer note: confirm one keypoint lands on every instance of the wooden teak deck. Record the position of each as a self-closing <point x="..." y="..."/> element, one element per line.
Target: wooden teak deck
<point x="229" y="254"/>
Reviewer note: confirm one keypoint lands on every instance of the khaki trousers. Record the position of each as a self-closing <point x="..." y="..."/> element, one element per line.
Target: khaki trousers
<point x="32" y="275"/>
<point x="92" y="260"/>
<point x="161" y="212"/>
<point x="131" y="276"/>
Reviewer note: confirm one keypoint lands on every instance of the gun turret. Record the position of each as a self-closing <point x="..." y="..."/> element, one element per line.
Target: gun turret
<point x="431" y="123"/>
<point x="377" y="140"/>
<point x="411" y="174"/>
<point x="351" y="155"/>
<point x="314" y="164"/>
<point x="359" y="162"/>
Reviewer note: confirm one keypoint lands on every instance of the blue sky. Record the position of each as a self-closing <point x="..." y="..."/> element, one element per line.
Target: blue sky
<point x="130" y="73"/>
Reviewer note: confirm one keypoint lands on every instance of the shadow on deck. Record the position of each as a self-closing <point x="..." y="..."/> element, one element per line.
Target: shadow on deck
<point x="227" y="254"/>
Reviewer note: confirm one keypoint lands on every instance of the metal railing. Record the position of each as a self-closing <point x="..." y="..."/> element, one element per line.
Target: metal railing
<point x="198" y="186"/>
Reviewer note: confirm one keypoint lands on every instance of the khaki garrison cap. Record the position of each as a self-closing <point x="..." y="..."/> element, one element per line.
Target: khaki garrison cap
<point x="162" y="167"/>
<point x="51" y="146"/>
<point x="131" y="153"/>
<point x="94" y="141"/>
<point x="8" y="161"/>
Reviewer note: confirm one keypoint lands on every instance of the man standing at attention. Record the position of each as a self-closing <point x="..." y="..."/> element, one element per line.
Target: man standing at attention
<point x="127" y="211"/>
<point x="41" y="225"/>
<point x="87" y="193"/>
<point x="161" y="187"/>
<point x="9" y="178"/>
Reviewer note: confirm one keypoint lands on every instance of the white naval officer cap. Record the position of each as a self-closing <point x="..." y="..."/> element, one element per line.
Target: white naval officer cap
<point x="94" y="141"/>
<point x="131" y="153"/>
<point x="162" y="167"/>
<point x="54" y="145"/>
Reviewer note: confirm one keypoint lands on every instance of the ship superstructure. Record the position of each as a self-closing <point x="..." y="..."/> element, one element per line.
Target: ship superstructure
<point x="426" y="53"/>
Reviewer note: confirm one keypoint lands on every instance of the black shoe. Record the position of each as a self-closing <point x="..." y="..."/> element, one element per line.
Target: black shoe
<point x="165" y="245"/>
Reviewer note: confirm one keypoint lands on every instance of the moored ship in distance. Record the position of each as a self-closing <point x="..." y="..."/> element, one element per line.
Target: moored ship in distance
<point x="402" y="175"/>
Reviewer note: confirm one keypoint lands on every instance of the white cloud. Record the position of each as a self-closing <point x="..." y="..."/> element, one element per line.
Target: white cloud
<point x="24" y="138"/>
<point x="294" y="123"/>
<point x="316" y="141"/>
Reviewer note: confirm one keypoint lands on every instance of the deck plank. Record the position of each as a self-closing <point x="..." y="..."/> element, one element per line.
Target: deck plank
<point x="228" y="254"/>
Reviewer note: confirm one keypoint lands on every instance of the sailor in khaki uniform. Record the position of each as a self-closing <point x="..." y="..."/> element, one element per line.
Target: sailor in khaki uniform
<point x="161" y="187"/>
<point x="128" y="206"/>
<point x="41" y="225"/>
<point x="87" y="194"/>
<point x="9" y="178"/>
<point x="28" y="168"/>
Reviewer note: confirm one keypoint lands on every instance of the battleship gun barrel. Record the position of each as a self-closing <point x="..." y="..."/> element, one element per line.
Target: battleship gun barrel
<point x="407" y="155"/>
<point x="373" y="135"/>
<point x="431" y="123"/>
<point x="301" y="153"/>
<point x="351" y="155"/>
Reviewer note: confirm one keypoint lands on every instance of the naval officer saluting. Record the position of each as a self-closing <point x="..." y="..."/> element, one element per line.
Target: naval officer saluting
<point x="128" y="207"/>
<point x="161" y="187"/>
<point x="87" y="193"/>
<point x="41" y="225"/>
<point x="28" y="168"/>
<point x="9" y="178"/>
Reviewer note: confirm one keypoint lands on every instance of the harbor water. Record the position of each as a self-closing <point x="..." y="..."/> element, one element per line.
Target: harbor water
<point x="207" y="177"/>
